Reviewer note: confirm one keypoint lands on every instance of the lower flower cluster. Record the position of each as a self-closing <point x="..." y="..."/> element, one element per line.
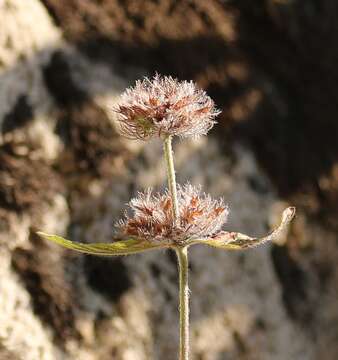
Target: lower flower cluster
<point x="152" y="218"/>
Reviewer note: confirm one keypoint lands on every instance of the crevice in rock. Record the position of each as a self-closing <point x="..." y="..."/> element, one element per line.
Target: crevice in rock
<point x="41" y="272"/>
<point x="19" y="116"/>
<point x="108" y="277"/>
<point x="91" y="141"/>
<point x="295" y="285"/>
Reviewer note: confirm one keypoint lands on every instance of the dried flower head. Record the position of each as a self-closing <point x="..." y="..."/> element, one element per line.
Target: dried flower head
<point x="164" y="106"/>
<point x="200" y="217"/>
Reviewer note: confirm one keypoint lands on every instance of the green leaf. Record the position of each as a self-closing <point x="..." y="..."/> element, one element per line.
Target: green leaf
<point x="237" y="241"/>
<point x="122" y="247"/>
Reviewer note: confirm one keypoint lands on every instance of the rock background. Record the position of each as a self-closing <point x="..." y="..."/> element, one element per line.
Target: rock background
<point x="271" y="66"/>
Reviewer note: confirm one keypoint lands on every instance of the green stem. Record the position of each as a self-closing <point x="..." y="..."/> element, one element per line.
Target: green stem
<point x="168" y="154"/>
<point x="182" y="255"/>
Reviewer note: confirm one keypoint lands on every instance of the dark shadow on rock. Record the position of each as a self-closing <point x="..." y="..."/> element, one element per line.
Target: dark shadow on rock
<point x="91" y="141"/>
<point x="294" y="133"/>
<point x="108" y="277"/>
<point x="294" y="283"/>
<point x="20" y="115"/>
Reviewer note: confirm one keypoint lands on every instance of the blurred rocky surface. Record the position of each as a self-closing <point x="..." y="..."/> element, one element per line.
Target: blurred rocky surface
<point x="64" y="169"/>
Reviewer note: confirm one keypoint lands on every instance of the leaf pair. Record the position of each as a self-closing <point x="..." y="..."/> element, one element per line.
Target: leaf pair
<point x="223" y="240"/>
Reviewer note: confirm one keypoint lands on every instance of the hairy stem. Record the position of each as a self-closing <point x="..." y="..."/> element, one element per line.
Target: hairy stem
<point x="169" y="159"/>
<point x="182" y="255"/>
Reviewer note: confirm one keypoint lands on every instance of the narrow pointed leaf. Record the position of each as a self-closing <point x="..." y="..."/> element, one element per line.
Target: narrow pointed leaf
<point x="238" y="241"/>
<point x="122" y="247"/>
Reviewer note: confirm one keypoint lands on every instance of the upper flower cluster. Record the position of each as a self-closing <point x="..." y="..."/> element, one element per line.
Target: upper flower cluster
<point x="164" y="106"/>
<point x="200" y="217"/>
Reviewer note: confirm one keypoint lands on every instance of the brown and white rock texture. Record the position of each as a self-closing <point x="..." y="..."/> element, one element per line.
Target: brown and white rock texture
<point x="64" y="169"/>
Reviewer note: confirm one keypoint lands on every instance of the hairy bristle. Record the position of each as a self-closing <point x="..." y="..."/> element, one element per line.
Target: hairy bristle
<point x="164" y="106"/>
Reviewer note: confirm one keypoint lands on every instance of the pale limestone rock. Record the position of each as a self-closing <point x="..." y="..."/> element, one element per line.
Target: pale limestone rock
<point x="20" y="331"/>
<point x="27" y="39"/>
